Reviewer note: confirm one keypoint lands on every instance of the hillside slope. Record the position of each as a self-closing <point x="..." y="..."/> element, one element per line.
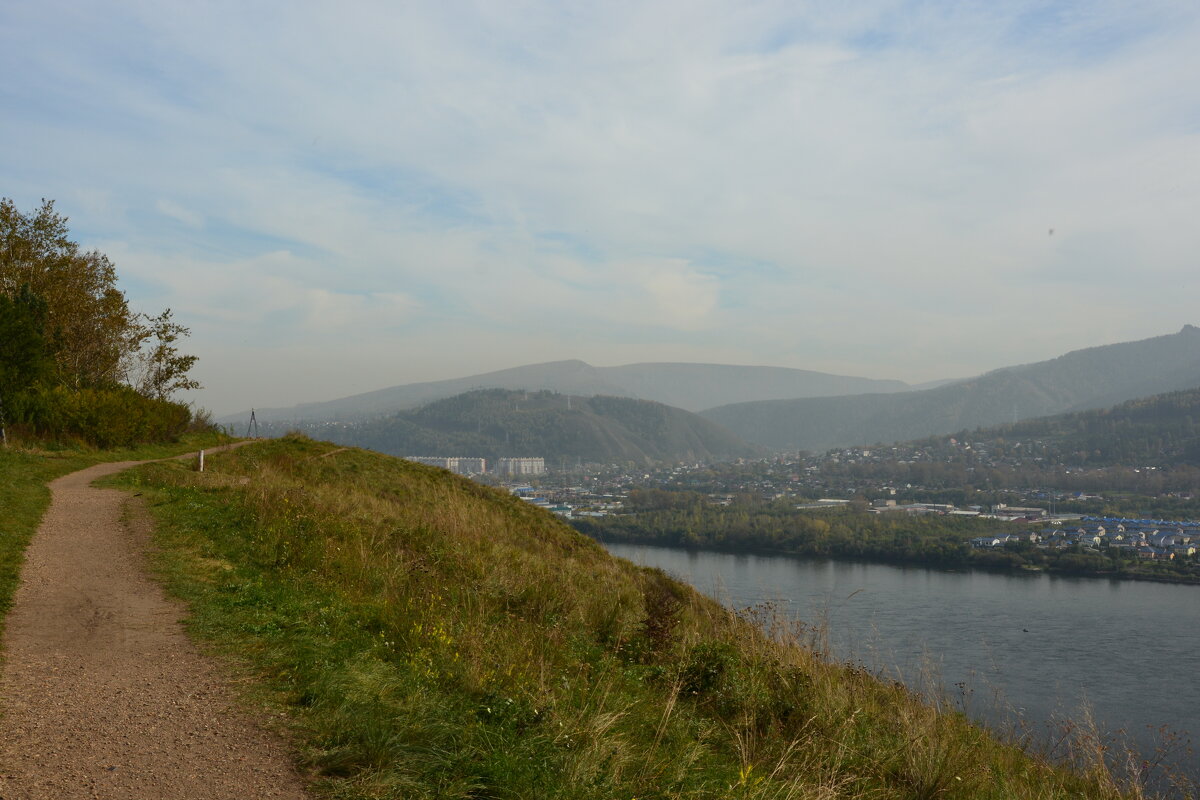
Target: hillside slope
<point x="435" y="638"/>
<point x="687" y="386"/>
<point x="1162" y="431"/>
<point x="493" y="423"/>
<point x="1084" y="379"/>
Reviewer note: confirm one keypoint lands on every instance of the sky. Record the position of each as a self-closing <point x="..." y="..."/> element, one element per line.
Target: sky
<point x="336" y="198"/>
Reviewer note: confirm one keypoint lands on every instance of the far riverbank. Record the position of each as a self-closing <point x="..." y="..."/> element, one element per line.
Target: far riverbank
<point x="933" y="543"/>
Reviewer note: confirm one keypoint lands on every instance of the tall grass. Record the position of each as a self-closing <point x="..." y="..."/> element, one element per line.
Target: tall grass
<point x="434" y="638"/>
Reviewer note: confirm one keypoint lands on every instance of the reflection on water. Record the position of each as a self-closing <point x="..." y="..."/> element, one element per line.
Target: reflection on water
<point x="1013" y="649"/>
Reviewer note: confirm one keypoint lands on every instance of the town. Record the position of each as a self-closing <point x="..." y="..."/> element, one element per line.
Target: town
<point x="1026" y="503"/>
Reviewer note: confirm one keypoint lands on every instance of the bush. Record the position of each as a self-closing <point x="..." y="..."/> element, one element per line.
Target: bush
<point x="115" y="416"/>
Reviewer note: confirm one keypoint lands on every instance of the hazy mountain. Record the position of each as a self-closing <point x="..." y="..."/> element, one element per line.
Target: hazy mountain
<point x="698" y="386"/>
<point x="1084" y="379"/>
<point x="1162" y="430"/>
<point x="688" y="386"/>
<point x="496" y="422"/>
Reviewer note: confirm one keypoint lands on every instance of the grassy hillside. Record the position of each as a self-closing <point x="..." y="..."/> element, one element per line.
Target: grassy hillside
<point x="431" y="637"/>
<point x="496" y="422"/>
<point x="1085" y="379"/>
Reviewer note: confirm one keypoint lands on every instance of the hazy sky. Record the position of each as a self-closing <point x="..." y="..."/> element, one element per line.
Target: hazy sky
<point x="342" y="197"/>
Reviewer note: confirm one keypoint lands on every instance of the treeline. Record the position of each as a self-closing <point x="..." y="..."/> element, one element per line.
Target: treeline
<point x="963" y="478"/>
<point x="76" y="363"/>
<point x="689" y="519"/>
<point x="692" y="520"/>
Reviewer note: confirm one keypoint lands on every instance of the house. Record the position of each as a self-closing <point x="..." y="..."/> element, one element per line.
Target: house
<point x="1154" y="554"/>
<point x="1165" y="539"/>
<point x="985" y="541"/>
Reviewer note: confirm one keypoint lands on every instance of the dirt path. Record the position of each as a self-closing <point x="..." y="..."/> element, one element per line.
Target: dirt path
<point x="103" y="696"/>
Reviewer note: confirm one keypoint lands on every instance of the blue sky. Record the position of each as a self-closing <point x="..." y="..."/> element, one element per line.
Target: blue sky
<point x="337" y="200"/>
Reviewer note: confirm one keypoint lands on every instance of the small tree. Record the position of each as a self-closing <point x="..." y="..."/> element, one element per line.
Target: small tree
<point x="159" y="369"/>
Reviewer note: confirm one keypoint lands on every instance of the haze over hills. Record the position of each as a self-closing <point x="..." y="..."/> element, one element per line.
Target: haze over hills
<point x="494" y="423"/>
<point x="688" y="386"/>
<point x="1093" y="378"/>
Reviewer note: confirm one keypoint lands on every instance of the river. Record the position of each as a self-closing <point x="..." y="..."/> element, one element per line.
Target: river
<point x="1026" y="650"/>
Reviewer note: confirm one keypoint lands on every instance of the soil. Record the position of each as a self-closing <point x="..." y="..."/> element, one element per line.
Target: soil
<point x="103" y="695"/>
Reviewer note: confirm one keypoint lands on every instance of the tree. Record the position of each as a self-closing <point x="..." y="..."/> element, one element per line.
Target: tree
<point x="90" y="335"/>
<point x="88" y="322"/>
<point x="159" y="369"/>
<point x="23" y="358"/>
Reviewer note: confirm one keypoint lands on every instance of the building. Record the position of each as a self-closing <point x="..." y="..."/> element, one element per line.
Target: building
<point x="521" y="466"/>
<point x="456" y="464"/>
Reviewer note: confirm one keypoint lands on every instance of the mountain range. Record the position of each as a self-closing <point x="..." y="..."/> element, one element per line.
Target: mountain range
<point x="1093" y="378"/>
<point x="770" y="407"/>
<point x="691" y="387"/>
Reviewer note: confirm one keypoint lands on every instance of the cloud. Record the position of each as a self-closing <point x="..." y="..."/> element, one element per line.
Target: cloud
<point x="858" y="188"/>
<point x="668" y="293"/>
<point x="179" y="213"/>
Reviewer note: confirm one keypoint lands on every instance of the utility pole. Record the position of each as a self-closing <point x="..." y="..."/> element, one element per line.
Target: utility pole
<point x="253" y="424"/>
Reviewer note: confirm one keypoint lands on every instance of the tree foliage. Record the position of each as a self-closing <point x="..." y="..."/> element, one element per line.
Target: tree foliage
<point x="89" y="327"/>
<point x="23" y="358"/>
<point x="75" y="360"/>
<point x="159" y="369"/>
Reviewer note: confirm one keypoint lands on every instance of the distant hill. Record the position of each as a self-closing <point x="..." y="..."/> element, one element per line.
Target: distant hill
<point x="687" y="386"/>
<point x="1163" y="431"/>
<point x="494" y="423"/>
<point x="1097" y="377"/>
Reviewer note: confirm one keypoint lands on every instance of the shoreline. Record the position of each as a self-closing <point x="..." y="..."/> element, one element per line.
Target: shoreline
<point x="1030" y="571"/>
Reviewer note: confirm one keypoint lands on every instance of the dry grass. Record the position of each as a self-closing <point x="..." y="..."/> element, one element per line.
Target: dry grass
<point x="435" y="638"/>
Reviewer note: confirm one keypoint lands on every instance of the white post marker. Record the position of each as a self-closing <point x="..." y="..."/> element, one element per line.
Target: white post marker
<point x="202" y="461"/>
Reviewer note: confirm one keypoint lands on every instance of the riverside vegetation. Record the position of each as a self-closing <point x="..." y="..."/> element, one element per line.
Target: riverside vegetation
<point x="431" y="637"/>
<point x="750" y="524"/>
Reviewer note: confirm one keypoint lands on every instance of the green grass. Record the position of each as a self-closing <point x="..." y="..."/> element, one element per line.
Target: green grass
<point x="432" y="638"/>
<point x="24" y="495"/>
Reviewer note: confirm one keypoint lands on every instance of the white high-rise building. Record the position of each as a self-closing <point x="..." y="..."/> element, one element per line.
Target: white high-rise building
<point x="457" y="464"/>
<point x="521" y="466"/>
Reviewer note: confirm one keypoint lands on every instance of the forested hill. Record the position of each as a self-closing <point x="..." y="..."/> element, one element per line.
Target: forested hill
<point x="1163" y="430"/>
<point x="494" y="423"/>
<point x="1094" y="378"/>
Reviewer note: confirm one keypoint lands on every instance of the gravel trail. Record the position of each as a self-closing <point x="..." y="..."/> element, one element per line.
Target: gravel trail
<point x="103" y="695"/>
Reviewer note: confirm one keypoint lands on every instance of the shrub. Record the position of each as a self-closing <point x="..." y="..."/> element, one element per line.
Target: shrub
<point x="114" y="416"/>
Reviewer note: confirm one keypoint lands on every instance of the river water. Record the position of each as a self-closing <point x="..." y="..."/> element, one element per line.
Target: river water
<point x="1025" y="650"/>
